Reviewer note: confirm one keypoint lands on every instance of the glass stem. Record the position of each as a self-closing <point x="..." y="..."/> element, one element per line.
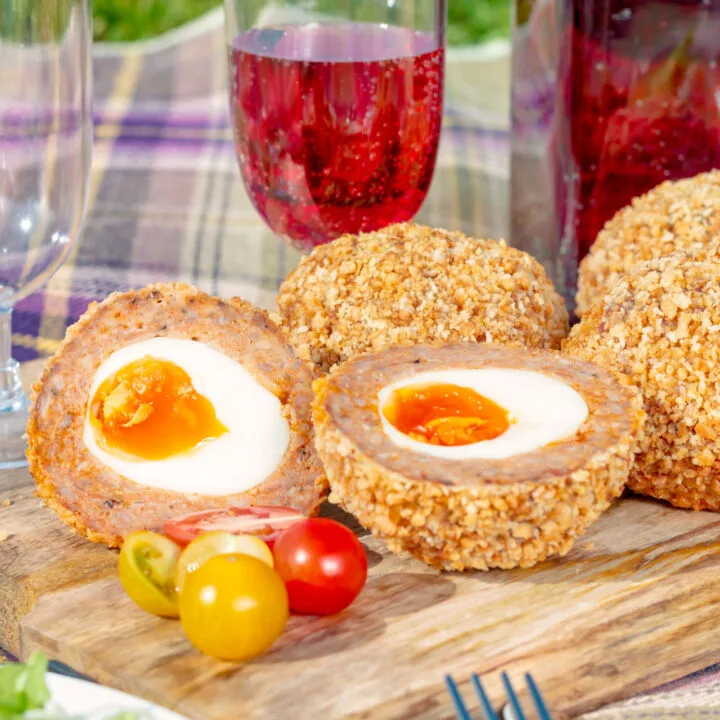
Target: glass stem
<point x="10" y="384"/>
<point x="5" y="336"/>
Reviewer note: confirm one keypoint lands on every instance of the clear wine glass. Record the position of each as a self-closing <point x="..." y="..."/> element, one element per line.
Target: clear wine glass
<point x="336" y="108"/>
<point x="45" y="151"/>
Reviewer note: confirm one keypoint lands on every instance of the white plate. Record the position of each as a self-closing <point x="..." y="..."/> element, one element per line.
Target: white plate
<point x="79" y="696"/>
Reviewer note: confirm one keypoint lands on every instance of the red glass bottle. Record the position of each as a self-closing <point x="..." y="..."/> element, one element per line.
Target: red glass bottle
<point x="610" y="98"/>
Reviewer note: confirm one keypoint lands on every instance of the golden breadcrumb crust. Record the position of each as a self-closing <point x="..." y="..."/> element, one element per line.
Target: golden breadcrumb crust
<point x="409" y="284"/>
<point x="659" y="325"/>
<point x="675" y="216"/>
<point x="477" y="513"/>
<point x="98" y="502"/>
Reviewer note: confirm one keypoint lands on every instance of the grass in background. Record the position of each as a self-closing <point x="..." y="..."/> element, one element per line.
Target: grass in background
<point x="126" y="20"/>
<point x="470" y="21"/>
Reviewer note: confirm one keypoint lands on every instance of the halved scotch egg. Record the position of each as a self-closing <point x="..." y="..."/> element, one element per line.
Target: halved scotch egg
<point x="475" y="456"/>
<point x="166" y="401"/>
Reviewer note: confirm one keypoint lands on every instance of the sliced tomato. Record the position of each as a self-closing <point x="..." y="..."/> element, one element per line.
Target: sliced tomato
<point x="263" y="521"/>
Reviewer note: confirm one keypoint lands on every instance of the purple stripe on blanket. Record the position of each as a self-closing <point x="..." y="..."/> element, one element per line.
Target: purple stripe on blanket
<point x="157" y="120"/>
<point x="26" y="321"/>
<point x="24" y="354"/>
<point x="172" y="143"/>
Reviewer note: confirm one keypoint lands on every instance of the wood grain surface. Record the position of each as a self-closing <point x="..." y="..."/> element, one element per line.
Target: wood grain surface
<point x="634" y="605"/>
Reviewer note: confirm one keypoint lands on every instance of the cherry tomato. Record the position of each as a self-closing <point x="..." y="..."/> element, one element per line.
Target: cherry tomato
<point x="323" y="564"/>
<point x="233" y="607"/>
<point x="265" y="522"/>
<point x="147" y="572"/>
<point x="215" y="543"/>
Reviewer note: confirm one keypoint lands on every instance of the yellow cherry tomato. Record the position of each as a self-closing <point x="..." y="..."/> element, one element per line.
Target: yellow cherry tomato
<point x="147" y="572"/>
<point x="233" y="607"/>
<point x="215" y="543"/>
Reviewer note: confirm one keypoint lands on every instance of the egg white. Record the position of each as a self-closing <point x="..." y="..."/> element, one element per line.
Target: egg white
<point x="257" y="433"/>
<point x="542" y="410"/>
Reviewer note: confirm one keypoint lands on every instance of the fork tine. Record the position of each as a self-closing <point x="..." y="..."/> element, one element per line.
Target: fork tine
<point x="487" y="709"/>
<point x="512" y="697"/>
<point x="460" y="709"/>
<point x="537" y="698"/>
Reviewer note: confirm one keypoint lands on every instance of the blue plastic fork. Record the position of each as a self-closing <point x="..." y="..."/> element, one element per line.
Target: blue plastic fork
<point x="487" y="710"/>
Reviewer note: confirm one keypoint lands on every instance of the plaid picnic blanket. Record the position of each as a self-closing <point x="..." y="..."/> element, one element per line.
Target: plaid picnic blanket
<point x="167" y="203"/>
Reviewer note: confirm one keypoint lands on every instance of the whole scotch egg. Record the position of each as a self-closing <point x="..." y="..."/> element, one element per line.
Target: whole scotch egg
<point x="675" y="216"/>
<point x="409" y="284"/>
<point x="475" y="456"/>
<point x="165" y="401"/>
<point x="658" y="325"/>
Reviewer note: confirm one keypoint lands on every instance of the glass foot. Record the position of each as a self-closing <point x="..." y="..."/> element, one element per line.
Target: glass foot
<point x="13" y="422"/>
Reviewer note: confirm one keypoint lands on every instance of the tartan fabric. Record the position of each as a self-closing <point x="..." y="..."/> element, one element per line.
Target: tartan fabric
<point x="167" y="203"/>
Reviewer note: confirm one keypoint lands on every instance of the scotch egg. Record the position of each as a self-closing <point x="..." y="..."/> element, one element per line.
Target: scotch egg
<point x="658" y="326"/>
<point x="408" y="284"/>
<point x="675" y="216"/>
<point x="166" y="401"/>
<point x="475" y="456"/>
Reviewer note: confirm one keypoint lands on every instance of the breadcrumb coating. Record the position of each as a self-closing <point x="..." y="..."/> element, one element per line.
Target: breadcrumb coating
<point x="474" y="513"/>
<point x="675" y="216"/>
<point x="659" y="325"/>
<point x="409" y="284"/>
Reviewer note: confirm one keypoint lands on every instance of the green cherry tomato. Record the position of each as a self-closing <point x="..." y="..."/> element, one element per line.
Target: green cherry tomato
<point x="147" y="572"/>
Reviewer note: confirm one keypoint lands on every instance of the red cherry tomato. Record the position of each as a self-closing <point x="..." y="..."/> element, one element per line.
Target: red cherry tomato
<point x="264" y="522"/>
<point x="323" y="565"/>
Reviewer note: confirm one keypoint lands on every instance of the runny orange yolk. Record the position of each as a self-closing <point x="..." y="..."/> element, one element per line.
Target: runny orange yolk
<point x="445" y="414"/>
<point x="149" y="409"/>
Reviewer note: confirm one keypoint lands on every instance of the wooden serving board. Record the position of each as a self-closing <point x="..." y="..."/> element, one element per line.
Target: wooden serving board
<point x="634" y="605"/>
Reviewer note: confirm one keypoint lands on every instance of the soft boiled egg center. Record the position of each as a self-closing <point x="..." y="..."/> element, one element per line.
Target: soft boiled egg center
<point x="150" y="409"/>
<point x="445" y="414"/>
<point x="178" y="415"/>
<point x="490" y="413"/>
